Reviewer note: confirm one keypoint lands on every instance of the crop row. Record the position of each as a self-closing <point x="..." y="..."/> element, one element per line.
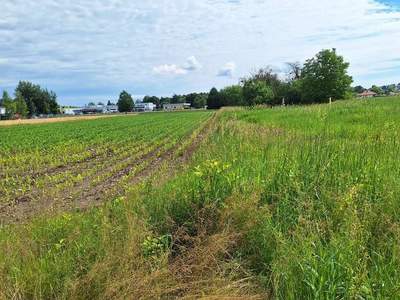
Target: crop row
<point x="79" y="167"/>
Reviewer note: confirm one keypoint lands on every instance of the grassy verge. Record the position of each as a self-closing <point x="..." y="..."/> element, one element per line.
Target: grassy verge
<point x="289" y="203"/>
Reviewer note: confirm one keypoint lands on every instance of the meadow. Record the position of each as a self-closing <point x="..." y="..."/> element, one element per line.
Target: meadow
<point x="282" y="203"/>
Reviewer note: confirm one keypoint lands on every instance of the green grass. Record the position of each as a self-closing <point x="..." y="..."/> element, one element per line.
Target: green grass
<point x="283" y="203"/>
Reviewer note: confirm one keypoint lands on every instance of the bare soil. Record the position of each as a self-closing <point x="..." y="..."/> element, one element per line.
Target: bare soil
<point x="54" y="120"/>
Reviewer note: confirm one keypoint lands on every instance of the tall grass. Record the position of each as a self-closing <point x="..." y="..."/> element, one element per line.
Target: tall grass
<point x="284" y="203"/>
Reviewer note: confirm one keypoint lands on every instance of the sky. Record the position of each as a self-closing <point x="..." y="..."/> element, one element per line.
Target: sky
<point x="90" y="50"/>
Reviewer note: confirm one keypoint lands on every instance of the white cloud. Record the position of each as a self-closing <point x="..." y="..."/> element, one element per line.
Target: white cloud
<point x="102" y="46"/>
<point x="227" y="70"/>
<point x="169" y="70"/>
<point x="192" y="64"/>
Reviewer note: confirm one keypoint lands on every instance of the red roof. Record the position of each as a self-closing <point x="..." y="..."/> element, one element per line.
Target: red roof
<point x="367" y="93"/>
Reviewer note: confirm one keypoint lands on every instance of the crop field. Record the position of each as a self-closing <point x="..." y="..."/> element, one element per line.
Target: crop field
<point x="282" y="203"/>
<point x="76" y="164"/>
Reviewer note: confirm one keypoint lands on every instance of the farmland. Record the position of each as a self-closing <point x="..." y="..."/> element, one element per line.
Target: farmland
<point x="283" y="203"/>
<point x="74" y="164"/>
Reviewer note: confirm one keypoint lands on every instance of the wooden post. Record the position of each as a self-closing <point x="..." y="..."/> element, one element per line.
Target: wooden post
<point x="330" y="100"/>
<point x="283" y="101"/>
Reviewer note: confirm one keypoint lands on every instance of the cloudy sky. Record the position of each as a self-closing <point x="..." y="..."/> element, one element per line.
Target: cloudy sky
<point x="92" y="49"/>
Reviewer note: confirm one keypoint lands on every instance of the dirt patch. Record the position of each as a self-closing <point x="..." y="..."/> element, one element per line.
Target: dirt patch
<point x="56" y="120"/>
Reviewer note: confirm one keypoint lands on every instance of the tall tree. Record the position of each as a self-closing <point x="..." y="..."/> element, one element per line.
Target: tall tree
<point x="325" y="76"/>
<point x="257" y="92"/>
<point x="232" y="95"/>
<point x="54" y="108"/>
<point x="20" y="105"/>
<point x="125" y="102"/>
<point x="38" y="100"/>
<point x="5" y="97"/>
<point x="214" y="99"/>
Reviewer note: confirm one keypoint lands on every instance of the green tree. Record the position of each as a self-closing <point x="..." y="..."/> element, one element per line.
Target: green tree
<point x="390" y="89"/>
<point x="358" y="89"/>
<point x="377" y="89"/>
<point x="200" y="100"/>
<point x="232" y="95"/>
<point x="165" y="100"/>
<point x="152" y="99"/>
<point x="178" y="99"/>
<point x="125" y="102"/>
<point x="38" y="100"/>
<point x="271" y="79"/>
<point x="6" y="97"/>
<point x="292" y="93"/>
<point x="214" y="99"/>
<point x="20" y="105"/>
<point x="325" y="76"/>
<point x="257" y="92"/>
<point x="9" y="105"/>
<point x="54" y="108"/>
<point x="190" y="98"/>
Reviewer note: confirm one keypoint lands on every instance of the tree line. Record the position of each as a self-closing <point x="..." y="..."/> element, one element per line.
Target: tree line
<point x="320" y="79"/>
<point x="385" y="90"/>
<point x="29" y="100"/>
<point x="196" y="100"/>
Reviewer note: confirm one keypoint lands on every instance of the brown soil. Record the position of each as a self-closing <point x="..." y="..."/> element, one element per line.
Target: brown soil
<point x="54" y="120"/>
<point x="84" y="195"/>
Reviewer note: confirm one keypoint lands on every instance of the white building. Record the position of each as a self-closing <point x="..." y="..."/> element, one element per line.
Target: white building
<point x="140" y="106"/>
<point x="72" y="111"/>
<point x="110" y="109"/>
<point x="2" y="111"/>
<point x="176" y="106"/>
<point x="91" y="109"/>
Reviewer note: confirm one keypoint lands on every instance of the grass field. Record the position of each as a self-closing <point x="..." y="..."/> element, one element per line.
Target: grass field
<point x="283" y="203"/>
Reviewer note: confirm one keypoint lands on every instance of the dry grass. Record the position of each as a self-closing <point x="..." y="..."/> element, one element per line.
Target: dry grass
<point x="197" y="267"/>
